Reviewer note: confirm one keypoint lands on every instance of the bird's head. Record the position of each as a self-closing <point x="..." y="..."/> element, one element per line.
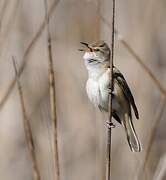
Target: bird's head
<point x="96" y="53"/>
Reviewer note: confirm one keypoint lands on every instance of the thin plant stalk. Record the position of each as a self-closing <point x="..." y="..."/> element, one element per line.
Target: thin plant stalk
<point x="25" y="56"/>
<point x="52" y="96"/>
<point x="109" y="131"/>
<point x="27" y="128"/>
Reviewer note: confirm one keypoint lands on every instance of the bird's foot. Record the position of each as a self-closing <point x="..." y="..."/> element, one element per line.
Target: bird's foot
<point x="110" y="125"/>
<point x="110" y="91"/>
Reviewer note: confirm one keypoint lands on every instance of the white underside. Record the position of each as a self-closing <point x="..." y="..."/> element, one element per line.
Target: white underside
<point x="98" y="91"/>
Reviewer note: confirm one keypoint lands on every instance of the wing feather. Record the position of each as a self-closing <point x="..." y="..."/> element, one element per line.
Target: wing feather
<point x="125" y="88"/>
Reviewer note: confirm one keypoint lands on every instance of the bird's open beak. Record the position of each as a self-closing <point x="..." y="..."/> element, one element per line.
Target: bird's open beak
<point x="87" y="49"/>
<point x="85" y="44"/>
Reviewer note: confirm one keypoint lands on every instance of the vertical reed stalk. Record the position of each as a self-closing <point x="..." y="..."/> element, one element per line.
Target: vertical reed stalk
<point x="108" y="158"/>
<point x="27" y="128"/>
<point x="52" y="95"/>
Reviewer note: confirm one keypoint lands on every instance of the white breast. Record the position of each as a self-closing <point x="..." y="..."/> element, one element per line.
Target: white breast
<point x="97" y="90"/>
<point x="93" y="91"/>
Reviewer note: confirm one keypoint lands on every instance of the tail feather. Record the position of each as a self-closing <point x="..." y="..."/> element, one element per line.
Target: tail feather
<point x="132" y="138"/>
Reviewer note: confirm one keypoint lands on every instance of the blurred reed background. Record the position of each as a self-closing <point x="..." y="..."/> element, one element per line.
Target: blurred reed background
<point x="81" y="127"/>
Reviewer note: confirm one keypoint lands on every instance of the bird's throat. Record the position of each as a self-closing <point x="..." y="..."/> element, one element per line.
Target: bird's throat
<point x="95" y="72"/>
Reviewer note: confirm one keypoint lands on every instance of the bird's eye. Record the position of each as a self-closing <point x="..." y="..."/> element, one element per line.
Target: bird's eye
<point x="97" y="50"/>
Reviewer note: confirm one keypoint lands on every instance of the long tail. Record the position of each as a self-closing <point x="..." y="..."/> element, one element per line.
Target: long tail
<point x="132" y="138"/>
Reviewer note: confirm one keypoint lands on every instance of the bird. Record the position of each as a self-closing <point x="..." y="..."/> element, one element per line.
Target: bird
<point x="97" y="62"/>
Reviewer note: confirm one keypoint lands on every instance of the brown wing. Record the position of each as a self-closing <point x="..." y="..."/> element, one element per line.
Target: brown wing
<point x="126" y="90"/>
